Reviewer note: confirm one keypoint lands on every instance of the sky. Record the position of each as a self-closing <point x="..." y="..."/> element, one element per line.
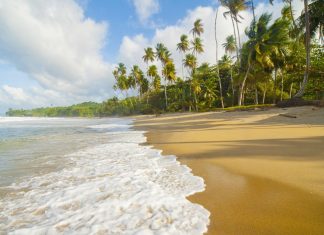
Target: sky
<point x="62" y="52"/>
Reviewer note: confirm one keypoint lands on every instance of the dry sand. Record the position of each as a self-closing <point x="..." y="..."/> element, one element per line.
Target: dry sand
<point x="264" y="173"/>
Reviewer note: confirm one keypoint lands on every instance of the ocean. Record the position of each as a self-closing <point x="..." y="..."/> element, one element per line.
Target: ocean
<point x="92" y="176"/>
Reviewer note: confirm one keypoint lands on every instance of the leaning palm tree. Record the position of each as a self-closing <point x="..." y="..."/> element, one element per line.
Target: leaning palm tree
<point x="264" y="42"/>
<point x="311" y="25"/>
<point x="183" y="47"/>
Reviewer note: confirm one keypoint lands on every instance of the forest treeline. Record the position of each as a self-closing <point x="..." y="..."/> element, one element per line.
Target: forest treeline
<point x="281" y="59"/>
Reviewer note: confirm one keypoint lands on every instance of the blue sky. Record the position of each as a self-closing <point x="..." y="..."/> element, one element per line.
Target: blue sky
<point x="63" y="52"/>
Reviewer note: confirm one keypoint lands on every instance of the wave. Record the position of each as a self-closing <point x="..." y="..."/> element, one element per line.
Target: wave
<point x="120" y="187"/>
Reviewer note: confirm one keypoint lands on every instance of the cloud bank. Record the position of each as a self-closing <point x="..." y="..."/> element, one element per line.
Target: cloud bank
<point x="145" y="9"/>
<point x="55" y="45"/>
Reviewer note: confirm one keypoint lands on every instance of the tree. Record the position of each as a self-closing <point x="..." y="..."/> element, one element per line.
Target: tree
<point x="197" y="46"/>
<point x="190" y="62"/>
<point x="169" y="74"/>
<point x="149" y="55"/>
<point x="197" y="29"/>
<point x="183" y="47"/>
<point x="121" y="77"/>
<point x="316" y="9"/>
<point x="138" y="76"/>
<point x="230" y="47"/>
<point x="163" y="54"/>
<point x="234" y="8"/>
<point x="264" y="42"/>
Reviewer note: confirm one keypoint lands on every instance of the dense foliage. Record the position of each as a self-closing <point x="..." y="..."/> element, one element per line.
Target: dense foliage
<point x="279" y="60"/>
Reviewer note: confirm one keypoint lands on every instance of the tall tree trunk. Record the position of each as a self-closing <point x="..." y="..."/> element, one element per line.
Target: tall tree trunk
<point x="189" y="95"/>
<point x="232" y="83"/>
<point x="196" y="102"/>
<point x="274" y="91"/>
<point x="282" y="83"/>
<point x="238" y="34"/>
<point x="301" y="92"/>
<point x="236" y="46"/>
<point x="219" y="79"/>
<point x="290" y="90"/>
<point x="256" y="95"/>
<point x="292" y="15"/>
<point x="264" y="93"/>
<point x="242" y="86"/>
<point x="165" y="94"/>
<point x="253" y="10"/>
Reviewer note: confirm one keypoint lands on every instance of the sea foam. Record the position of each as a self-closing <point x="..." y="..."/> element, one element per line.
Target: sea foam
<point x="120" y="187"/>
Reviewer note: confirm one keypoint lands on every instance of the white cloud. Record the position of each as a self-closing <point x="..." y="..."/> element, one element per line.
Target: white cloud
<point x="55" y="45"/>
<point x="145" y="9"/>
<point x="170" y="36"/>
<point x="132" y="48"/>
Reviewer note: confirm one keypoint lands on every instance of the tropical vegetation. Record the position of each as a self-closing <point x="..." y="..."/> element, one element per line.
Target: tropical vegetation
<point x="280" y="59"/>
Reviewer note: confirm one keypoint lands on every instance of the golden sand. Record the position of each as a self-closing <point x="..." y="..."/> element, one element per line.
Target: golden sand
<point x="264" y="173"/>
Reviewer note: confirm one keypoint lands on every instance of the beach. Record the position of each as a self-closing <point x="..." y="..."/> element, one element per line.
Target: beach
<point x="264" y="172"/>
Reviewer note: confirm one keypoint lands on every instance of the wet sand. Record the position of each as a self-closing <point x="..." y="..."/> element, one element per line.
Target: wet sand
<point x="264" y="173"/>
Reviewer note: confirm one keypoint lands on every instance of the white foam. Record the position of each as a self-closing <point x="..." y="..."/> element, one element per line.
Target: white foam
<point x="117" y="188"/>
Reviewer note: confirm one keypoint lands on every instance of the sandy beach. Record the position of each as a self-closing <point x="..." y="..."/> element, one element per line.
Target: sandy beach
<point x="264" y="173"/>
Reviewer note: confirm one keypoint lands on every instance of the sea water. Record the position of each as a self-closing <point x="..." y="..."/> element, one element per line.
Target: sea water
<point x="92" y="176"/>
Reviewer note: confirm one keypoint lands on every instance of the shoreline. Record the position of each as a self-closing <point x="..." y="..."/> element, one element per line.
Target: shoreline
<point x="258" y="180"/>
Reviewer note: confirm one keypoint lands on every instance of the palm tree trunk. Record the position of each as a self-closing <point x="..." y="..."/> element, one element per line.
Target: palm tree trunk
<point x="234" y="31"/>
<point x="256" y="95"/>
<point x="165" y="94"/>
<point x="292" y="15"/>
<point x="264" y="93"/>
<point x="290" y="90"/>
<point x="242" y="86"/>
<point x="301" y="92"/>
<point x="282" y="83"/>
<point x="189" y="95"/>
<point x="196" y="103"/>
<point x="219" y="79"/>
<point x="232" y="83"/>
<point x="274" y="91"/>
<point x="238" y="34"/>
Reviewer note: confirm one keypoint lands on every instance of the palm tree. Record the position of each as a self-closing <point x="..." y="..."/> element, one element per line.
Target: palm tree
<point x="234" y="8"/>
<point x="219" y="78"/>
<point x="169" y="74"/>
<point x="163" y="54"/>
<point x="190" y="62"/>
<point x="264" y="43"/>
<point x="198" y="28"/>
<point x="148" y="56"/>
<point x="227" y="63"/>
<point x="229" y="45"/>
<point x="152" y="71"/>
<point x="183" y="47"/>
<point x="314" y="9"/>
<point x="197" y="46"/>
<point x="121" y="78"/>
<point x="157" y="83"/>
<point x="138" y="76"/>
